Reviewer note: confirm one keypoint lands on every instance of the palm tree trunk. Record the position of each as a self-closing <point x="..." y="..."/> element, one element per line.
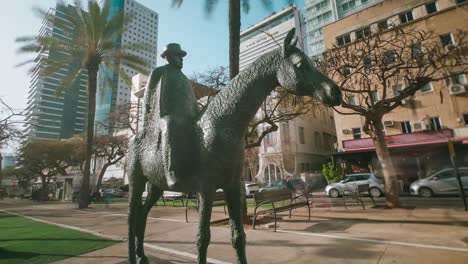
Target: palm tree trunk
<point x="392" y="190"/>
<point x="92" y="87"/>
<point x="234" y="37"/>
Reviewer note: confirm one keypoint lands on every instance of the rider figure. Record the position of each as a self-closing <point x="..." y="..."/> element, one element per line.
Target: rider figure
<point x="176" y="112"/>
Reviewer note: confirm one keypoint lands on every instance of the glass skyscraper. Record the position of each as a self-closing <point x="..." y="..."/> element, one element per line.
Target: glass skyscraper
<point x="113" y="90"/>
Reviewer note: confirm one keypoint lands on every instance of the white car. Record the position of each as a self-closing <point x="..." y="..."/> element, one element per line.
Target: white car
<point x="351" y="181"/>
<point x="251" y="188"/>
<point x="441" y="182"/>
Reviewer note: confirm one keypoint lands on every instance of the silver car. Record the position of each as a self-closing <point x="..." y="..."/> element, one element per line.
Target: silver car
<point x="351" y="181"/>
<point x="441" y="182"/>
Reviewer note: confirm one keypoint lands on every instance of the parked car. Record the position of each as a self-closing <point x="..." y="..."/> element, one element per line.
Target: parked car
<point x="112" y="193"/>
<point x="351" y="181"/>
<point x="274" y="185"/>
<point x="251" y="188"/>
<point x="441" y="182"/>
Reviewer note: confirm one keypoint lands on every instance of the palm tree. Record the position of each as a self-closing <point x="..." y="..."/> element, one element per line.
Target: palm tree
<point x="86" y="43"/>
<point x="234" y="26"/>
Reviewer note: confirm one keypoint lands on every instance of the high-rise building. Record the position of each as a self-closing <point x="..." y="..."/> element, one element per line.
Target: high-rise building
<point x="300" y="145"/>
<point x="55" y="112"/>
<point x="113" y="90"/>
<point x="319" y="13"/>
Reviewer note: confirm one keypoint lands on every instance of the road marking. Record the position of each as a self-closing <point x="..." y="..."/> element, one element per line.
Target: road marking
<point x="183" y="253"/>
<point x="66" y="226"/>
<point x="376" y="241"/>
<point x="153" y="218"/>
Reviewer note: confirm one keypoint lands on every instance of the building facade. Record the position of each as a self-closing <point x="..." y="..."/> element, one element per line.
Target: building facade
<point x="319" y="13"/>
<point x="417" y="133"/>
<point x="300" y="145"/>
<point x="54" y="112"/>
<point x="113" y="90"/>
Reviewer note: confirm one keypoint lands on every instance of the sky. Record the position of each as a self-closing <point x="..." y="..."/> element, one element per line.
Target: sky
<point x="205" y="38"/>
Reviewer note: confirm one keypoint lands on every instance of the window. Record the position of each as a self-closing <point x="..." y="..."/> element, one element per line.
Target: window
<point x="458" y="79"/>
<point x="364" y="1"/>
<point x="301" y="135"/>
<point x="363" y="33"/>
<point x="285" y="131"/>
<point x="321" y="5"/>
<point x="460" y="1"/>
<point x="435" y="123"/>
<point x="416" y="51"/>
<point x="356" y="133"/>
<point x="318" y="140"/>
<point x="351" y="100"/>
<point x="367" y="63"/>
<point x="342" y="40"/>
<point x="406" y="127"/>
<point x="427" y="88"/>
<point x="446" y="39"/>
<point x="382" y="25"/>
<point x="349" y="5"/>
<point x="390" y="57"/>
<point x="465" y="119"/>
<point x="431" y="8"/>
<point x="346" y="71"/>
<point x="375" y="96"/>
<point x="406" y="17"/>
<point x="397" y="89"/>
<point x="270" y="139"/>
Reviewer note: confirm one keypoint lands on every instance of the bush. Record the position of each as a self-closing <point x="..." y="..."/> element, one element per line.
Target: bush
<point x="124" y="188"/>
<point x="331" y="173"/>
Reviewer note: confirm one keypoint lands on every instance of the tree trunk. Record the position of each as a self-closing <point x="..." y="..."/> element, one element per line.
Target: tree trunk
<point x="92" y="84"/>
<point x="392" y="188"/>
<point x="234" y="50"/>
<point x="44" y="193"/>
<point x="99" y="181"/>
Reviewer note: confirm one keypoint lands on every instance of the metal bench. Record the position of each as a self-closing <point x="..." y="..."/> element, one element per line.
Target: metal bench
<point x="356" y="195"/>
<point x="172" y="196"/>
<point x="219" y="200"/>
<point x="271" y="197"/>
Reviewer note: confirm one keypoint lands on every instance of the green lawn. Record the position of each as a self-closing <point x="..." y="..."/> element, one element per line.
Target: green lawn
<point x="26" y="241"/>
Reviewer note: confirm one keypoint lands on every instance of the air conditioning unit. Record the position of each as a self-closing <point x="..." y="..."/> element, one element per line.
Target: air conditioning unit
<point x="389" y="123"/>
<point x="418" y="126"/>
<point x="457" y="89"/>
<point x="346" y="131"/>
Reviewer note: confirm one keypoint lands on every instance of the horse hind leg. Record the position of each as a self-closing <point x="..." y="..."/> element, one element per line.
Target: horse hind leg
<point x="136" y="187"/>
<point x="154" y="193"/>
<point x="235" y="218"/>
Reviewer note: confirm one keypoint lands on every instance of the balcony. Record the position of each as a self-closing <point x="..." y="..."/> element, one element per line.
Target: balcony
<point x="401" y="140"/>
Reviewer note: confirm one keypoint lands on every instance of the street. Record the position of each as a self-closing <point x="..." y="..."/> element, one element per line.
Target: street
<point x="334" y="235"/>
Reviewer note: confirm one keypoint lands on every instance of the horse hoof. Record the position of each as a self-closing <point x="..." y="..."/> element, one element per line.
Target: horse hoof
<point x="143" y="260"/>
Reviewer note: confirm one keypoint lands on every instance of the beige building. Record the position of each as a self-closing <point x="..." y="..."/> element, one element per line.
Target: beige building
<point x="441" y="107"/>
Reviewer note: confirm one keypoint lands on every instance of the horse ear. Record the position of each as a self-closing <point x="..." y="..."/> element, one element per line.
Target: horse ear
<point x="289" y="42"/>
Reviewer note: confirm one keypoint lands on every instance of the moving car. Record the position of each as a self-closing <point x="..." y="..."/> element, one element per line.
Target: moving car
<point x="441" y="182"/>
<point x="251" y="188"/>
<point x="351" y="181"/>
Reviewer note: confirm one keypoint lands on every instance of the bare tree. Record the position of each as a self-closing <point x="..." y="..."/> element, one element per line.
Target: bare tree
<point x="110" y="149"/>
<point x="377" y="73"/>
<point x="124" y="117"/>
<point x="8" y="130"/>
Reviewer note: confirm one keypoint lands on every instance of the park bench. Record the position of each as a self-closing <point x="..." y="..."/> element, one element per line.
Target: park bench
<point x="192" y="198"/>
<point x="356" y="195"/>
<point x="172" y="196"/>
<point x="292" y="200"/>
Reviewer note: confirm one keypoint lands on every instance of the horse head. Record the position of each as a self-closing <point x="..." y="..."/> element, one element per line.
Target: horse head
<point x="298" y="75"/>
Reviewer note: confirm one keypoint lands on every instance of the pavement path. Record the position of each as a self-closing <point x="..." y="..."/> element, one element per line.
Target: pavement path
<point x="334" y="235"/>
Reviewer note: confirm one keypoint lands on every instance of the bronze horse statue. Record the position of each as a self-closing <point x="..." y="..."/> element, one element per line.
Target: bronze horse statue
<point x="220" y="131"/>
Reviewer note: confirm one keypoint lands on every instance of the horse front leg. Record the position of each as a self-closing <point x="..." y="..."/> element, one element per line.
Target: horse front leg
<point x="233" y="200"/>
<point x="136" y="186"/>
<point x="204" y="234"/>
<point x="154" y="193"/>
